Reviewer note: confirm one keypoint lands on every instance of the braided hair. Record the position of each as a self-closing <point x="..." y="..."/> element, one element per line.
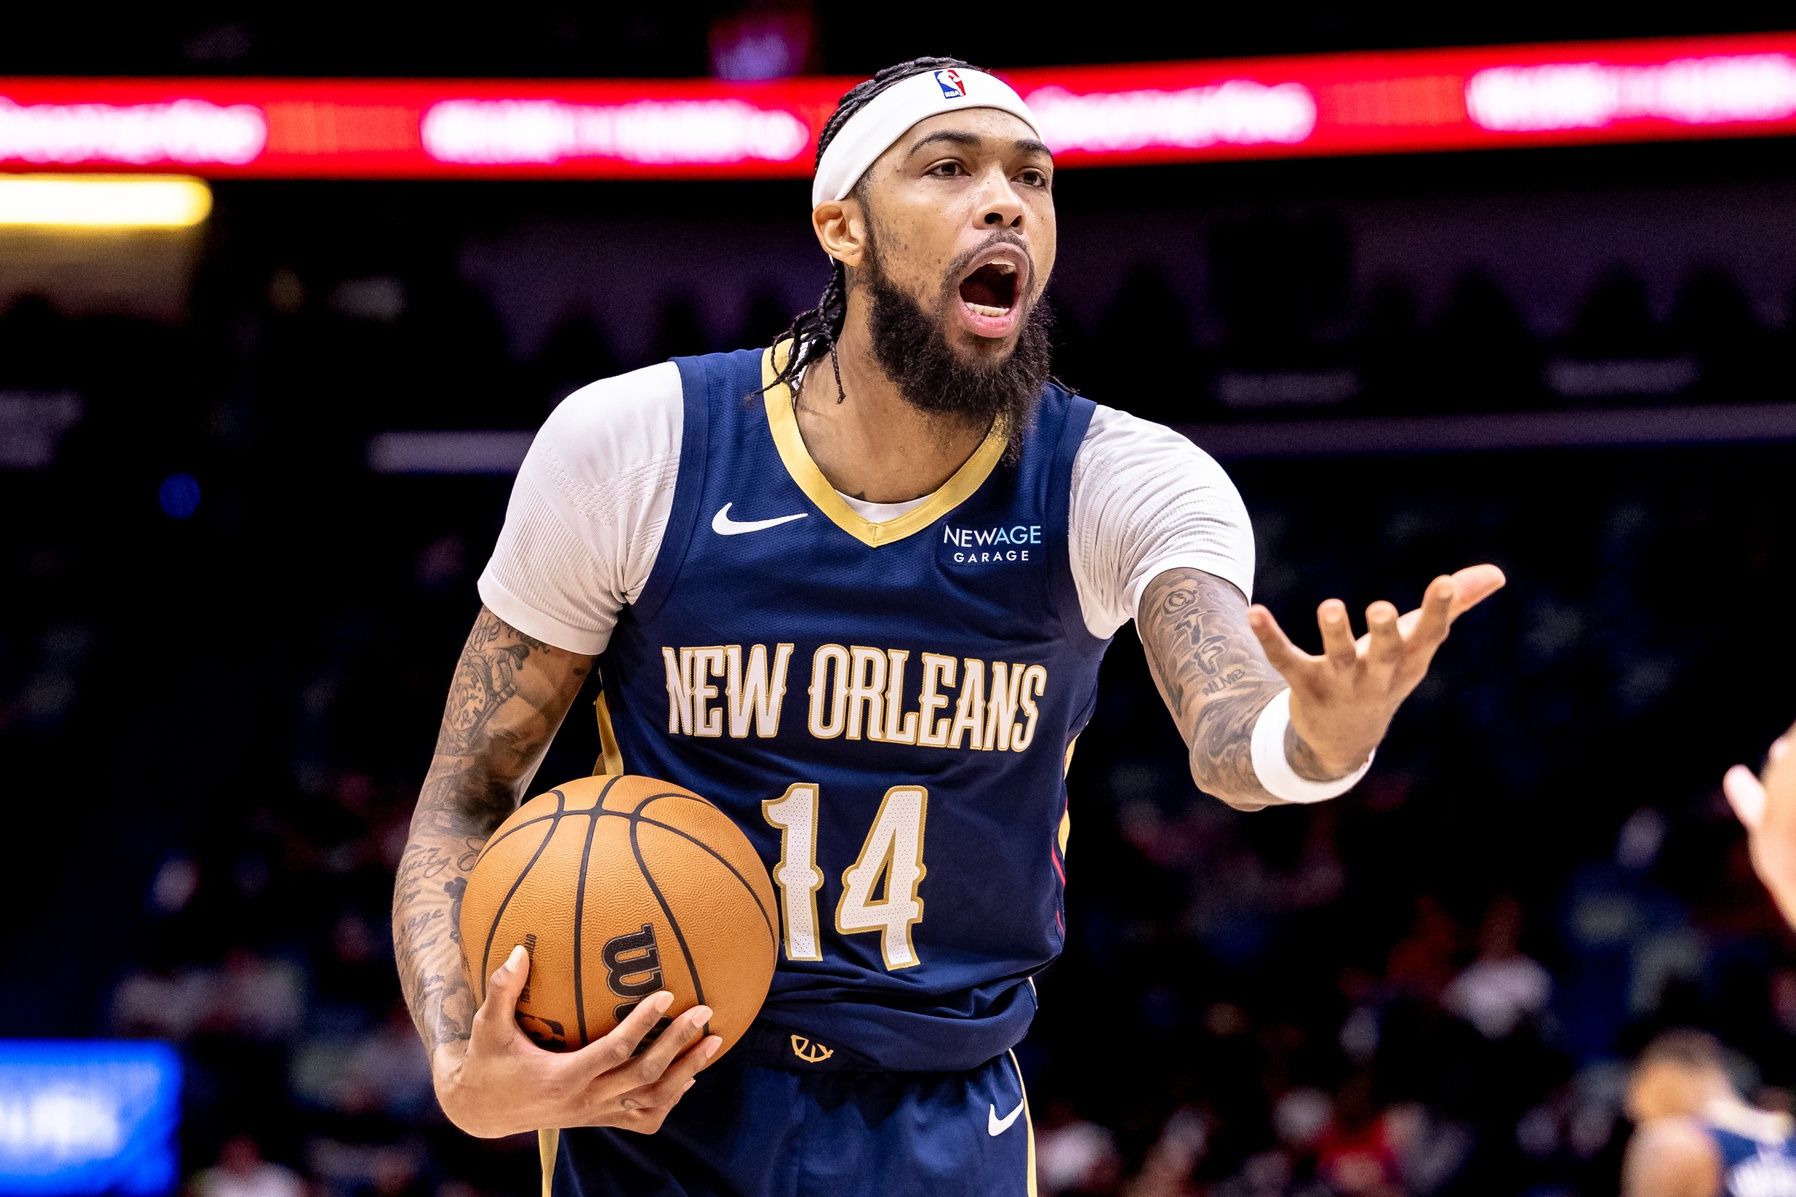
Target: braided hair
<point x="814" y="332"/>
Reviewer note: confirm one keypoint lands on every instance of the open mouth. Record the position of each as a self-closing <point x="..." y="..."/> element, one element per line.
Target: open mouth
<point x="991" y="290"/>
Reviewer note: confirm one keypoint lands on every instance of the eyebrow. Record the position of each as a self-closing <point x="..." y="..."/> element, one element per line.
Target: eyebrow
<point x="1027" y="145"/>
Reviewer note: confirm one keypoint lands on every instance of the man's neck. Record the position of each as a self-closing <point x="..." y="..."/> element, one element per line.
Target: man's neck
<point x="875" y="444"/>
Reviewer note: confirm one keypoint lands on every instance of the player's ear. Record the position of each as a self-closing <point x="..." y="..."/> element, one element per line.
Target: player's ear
<point x="841" y="229"/>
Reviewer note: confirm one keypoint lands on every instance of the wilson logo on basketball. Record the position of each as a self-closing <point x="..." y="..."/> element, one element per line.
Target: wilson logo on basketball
<point x="635" y="955"/>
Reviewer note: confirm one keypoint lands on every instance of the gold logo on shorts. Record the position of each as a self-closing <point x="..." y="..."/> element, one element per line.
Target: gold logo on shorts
<point x="810" y="1053"/>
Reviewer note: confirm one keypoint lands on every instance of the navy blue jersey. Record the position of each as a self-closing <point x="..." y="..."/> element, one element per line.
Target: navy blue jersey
<point x="1754" y="1167"/>
<point x="886" y="709"/>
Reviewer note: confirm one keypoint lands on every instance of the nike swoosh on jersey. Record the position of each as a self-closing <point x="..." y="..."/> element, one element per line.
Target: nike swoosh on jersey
<point x="723" y="525"/>
<point x="994" y="1125"/>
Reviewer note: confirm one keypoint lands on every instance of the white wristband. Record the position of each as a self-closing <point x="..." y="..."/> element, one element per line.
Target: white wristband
<point x="1273" y="768"/>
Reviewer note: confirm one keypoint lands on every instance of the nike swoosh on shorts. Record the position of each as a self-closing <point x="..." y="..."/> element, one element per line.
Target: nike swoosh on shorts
<point x="994" y="1125"/>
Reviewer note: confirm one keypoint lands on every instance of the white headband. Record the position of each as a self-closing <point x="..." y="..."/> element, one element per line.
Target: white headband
<point x="890" y="114"/>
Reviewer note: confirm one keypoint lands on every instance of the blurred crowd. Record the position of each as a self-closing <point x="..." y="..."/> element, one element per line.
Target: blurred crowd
<point x="1278" y="330"/>
<point x="229" y="642"/>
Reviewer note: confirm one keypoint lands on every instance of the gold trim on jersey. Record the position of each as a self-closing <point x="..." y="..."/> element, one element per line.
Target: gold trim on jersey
<point x="783" y="422"/>
<point x="1066" y="816"/>
<point x="1028" y="1120"/>
<point x="611" y="759"/>
<point x="548" y="1142"/>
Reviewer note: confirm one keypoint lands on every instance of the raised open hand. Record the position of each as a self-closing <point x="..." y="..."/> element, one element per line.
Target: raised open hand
<point x="1342" y="701"/>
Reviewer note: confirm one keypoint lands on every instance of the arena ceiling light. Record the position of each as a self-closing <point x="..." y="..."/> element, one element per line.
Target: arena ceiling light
<point x="94" y="202"/>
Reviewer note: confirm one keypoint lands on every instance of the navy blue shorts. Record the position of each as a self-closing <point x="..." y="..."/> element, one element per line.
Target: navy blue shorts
<point x="755" y="1127"/>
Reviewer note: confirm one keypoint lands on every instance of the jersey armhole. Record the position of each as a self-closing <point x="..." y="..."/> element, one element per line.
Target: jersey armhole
<point x="1063" y="588"/>
<point x="695" y="443"/>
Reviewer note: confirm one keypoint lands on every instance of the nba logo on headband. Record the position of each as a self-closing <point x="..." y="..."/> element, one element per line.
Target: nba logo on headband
<point x="868" y="133"/>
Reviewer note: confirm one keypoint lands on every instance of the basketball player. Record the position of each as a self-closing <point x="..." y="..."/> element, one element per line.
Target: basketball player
<point x="854" y="588"/>
<point x="1694" y="1135"/>
<point x="1766" y="804"/>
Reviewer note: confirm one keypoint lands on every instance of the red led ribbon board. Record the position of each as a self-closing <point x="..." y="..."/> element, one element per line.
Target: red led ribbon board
<point x="1359" y="103"/>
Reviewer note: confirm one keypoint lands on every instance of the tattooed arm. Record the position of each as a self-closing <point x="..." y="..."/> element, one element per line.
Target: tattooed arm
<point x="1215" y="679"/>
<point x="509" y="695"/>
<point x="1218" y="662"/>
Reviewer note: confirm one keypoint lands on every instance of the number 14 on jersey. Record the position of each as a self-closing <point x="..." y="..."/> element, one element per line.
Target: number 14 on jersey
<point x="893" y="851"/>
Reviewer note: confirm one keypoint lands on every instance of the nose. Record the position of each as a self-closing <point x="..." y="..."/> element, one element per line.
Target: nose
<point x="1001" y="206"/>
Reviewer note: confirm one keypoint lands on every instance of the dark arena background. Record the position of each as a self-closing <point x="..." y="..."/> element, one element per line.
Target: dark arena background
<point x="1511" y="285"/>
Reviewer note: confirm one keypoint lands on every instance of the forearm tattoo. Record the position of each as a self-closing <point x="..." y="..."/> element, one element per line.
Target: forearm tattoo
<point x="1216" y="680"/>
<point x="509" y="694"/>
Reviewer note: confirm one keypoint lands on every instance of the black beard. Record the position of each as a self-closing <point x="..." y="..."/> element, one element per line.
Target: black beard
<point x="912" y="349"/>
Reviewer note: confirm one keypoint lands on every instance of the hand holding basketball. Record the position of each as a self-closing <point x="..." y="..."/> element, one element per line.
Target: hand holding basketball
<point x="628" y="898"/>
<point x="1343" y="700"/>
<point x="500" y="1083"/>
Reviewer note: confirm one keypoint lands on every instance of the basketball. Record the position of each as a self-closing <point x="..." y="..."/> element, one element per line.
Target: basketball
<point x="619" y="887"/>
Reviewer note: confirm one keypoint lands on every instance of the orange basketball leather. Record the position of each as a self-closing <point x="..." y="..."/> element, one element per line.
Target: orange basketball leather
<point x="619" y="887"/>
